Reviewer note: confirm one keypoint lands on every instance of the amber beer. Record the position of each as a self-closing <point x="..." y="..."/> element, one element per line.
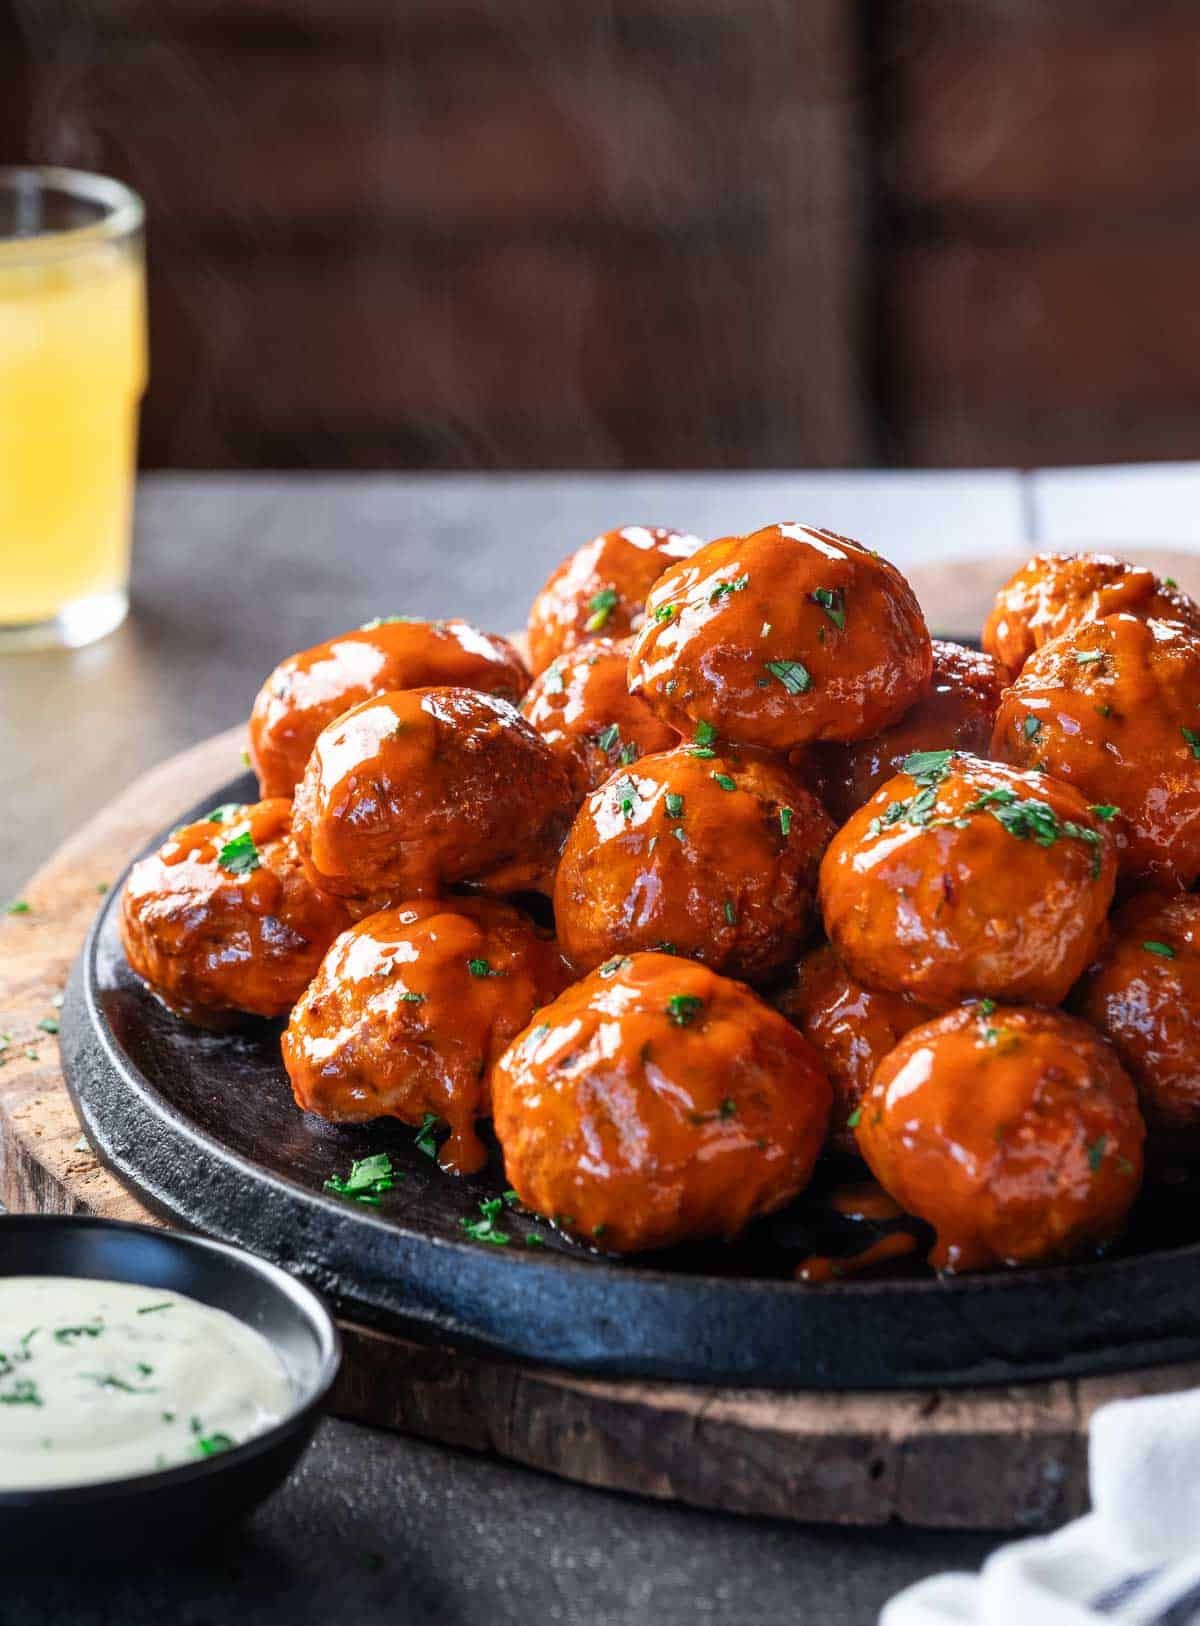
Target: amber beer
<point x="72" y="374"/>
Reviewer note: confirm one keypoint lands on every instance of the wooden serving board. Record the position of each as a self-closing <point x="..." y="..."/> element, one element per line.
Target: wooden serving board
<point x="1001" y="1458"/>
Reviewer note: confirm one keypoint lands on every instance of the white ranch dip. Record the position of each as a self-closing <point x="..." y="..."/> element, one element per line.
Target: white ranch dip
<point x="101" y="1380"/>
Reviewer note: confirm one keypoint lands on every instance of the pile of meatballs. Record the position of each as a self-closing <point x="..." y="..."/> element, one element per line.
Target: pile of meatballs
<point x="819" y="884"/>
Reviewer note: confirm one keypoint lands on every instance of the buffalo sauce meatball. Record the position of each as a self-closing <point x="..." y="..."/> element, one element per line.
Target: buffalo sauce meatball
<point x="418" y="790"/>
<point x="410" y="1011"/>
<point x="581" y="707"/>
<point x="710" y="856"/>
<point x="655" y="1102"/>
<point x="851" y="1027"/>
<point x="310" y="690"/>
<point x="1144" y="996"/>
<point x="600" y="589"/>
<point x="1014" y="1132"/>
<point x="1113" y="708"/>
<point x="223" y="917"/>
<point x="964" y="877"/>
<point x="1058" y="592"/>
<point x="958" y="710"/>
<point x="780" y="638"/>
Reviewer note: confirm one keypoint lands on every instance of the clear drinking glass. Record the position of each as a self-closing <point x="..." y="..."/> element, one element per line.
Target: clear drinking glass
<point x="72" y="374"/>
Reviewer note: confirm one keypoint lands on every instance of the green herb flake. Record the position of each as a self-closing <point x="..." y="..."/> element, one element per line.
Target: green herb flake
<point x="627" y="795"/>
<point x="928" y="767"/>
<point x="1104" y="811"/>
<point x="725" y="782"/>
<point x="785" y="820"/>
<point x="409" y="998"/>
<point x="618" y="962"/>
<point x="683" y="1009"/>
<point x="855" y="1118"/>
<point x="533" y="1240"/>
<point x="609" y="737"/>
<point x="602" y="605"/>
<point x="724" y="589"/>
<point x="1095" y="1152"/>
<point x="153" y="1309"/>
<point x="552" y="680"/>
<point x="19" y="907"/>
<point x="629" y="753"/>
<point x="102" y="887"/>
<point x="1032" y="727"/>
<point x="705" y="733"/>
<point x="832" y="601"/>
<point x="226" y="813"/>
<point x="1192" y="736"/>
<point x="1163" y="950"/>
<point x="68" y="1335"/>
<point x="367" y="1181"/>
<point x="1088" y="657"/>
<point x="482" y="968"/>
<point x="665" y="612"/>
<point x="730" y="913"/>
<point x="987" y="1006"/>
<point x="211" y="1445"/>
<point x="794" y="675"/>
<point x="423" y="1140"/>
<point x="1169" y="581"/>
<point x="49" y="1024"/>
<point x="485" y="1228"/>
<point x="24" y="1392"/>
<point x="728" y="1108"/>
<point x="239" y="856"/>
<point x="674" y="805"/>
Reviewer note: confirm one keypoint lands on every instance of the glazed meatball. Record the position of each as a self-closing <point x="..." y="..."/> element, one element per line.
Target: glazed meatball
<point x="1113" y="708"/>
<point x="1059" y="592"/>
<point x="223" y="917"/>
<point x="1144" y="996"/>
<point x="414" y="791"/>
<point x="600" y="590"/>
<point x="851" y="1027"/>
<point x="410" y="1011"/>
<point x="958" y="711"/>
<point x="1014" y="1132"/>
<point x="710" y="856"/>
<point x="782" y="637"/>
<point x="964" y="877"/>
<point x="308" y="691"/>
<point x="656" y="1102"/>
<point x="582" y="708"/>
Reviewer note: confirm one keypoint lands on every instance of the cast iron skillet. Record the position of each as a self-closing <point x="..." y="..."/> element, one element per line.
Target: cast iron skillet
<point x="176" y="1505"/>
<point x="203" y="1127"/>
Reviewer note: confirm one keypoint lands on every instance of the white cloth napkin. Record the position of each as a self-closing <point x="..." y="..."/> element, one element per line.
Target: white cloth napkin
<point x="1134" y="1559"/>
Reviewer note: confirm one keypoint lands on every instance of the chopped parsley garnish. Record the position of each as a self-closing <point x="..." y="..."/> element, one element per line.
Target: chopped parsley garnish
<point x="19" y="907"/>
<point x="609" y="737"/>
<point x="240" y="855"/>
<point x="369" y="1178"/>
<point x="1104" y="811"/>
<point x="730" y="912"/>
<point x="602" y="605"/>
<point x="674" y="804"/>
<point x="664" y="612"/>
<point x="832" y="601"/>
<point x="102" y="887"/>
<point x="1032" y="727"/>
<point x="486" y="1229"/>
<point x="1088" y="657"/>
<point x="723" y="589"/>
<point x="1095" y="1152"/>
<point x="927" y="767"/>
<point x="65" y="1335"/>
<point x="109" y="1380"/>
<point x="1163" y="950"/>
<point x="725" y="782"/>
<point x="552" y="682"/>
<point x="629" y="753"/>
<point x="1193" y="738"/>
<point x="24" y="1392"/>
<point x="225" y="814"/>
<point x="987" y="1006"/>
<point x="482" y="968"/>
<point x="683" y="1009"/>
<point x="626" y="793"/>
<point x="855" y="1117"/>
<point x="794" y="675"/>
<point x="209" y="1445"/>
<point x="785" y="820"/>
<point x="409" y="998"/>
<point x="533" y="1240"/>
<point x="49" y="1024"/>
<point x="703" y="740"/>
<point x="611" y="967"/>
<point x="424" y="1141"/>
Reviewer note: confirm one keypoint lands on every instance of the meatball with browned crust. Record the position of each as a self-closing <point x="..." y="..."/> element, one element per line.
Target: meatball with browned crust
<point x="1113" y="709"/>
<point x="1144" y="996"/>
<point x="958" y="711"/>
<point x="423" y="789"/>
<point x="410" y="1011"/>
<point x="964" y="877"/>
<point x="224" y="918"/>
<point x="850" y="1026"/>
<point x="1013" y="1132"/>
<point x="712" y="856"/>
<point x="308" y="691"/>
<point x="581" y="707"/>
<point x="599" y="591"/>
<point x="1059" y="592"/>
<point x="655" y="1103"/>
<point x="780" y="638"/>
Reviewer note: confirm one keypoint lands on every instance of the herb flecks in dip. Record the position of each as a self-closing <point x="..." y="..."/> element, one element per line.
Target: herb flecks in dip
<point x="103" y="1380"/>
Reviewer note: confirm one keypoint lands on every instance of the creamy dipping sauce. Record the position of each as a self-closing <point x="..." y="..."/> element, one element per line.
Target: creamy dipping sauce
<point x="102" y="1380"/>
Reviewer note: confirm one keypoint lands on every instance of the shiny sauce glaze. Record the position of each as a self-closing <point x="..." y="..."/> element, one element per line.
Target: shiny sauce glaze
<point x="103" y="1380"/>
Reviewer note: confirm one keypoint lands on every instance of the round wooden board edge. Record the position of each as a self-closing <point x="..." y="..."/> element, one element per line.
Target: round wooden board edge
<point x="998" y="1458"/>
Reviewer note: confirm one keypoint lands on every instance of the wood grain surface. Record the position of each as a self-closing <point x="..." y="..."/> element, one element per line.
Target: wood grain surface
<point x="997" y="1458"/>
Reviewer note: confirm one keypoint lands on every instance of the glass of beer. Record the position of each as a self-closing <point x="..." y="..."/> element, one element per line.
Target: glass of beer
<point x="72" y="374"/>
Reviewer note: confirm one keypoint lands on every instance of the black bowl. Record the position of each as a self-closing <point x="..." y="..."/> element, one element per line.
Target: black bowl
<point x="175" y="1506"/>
